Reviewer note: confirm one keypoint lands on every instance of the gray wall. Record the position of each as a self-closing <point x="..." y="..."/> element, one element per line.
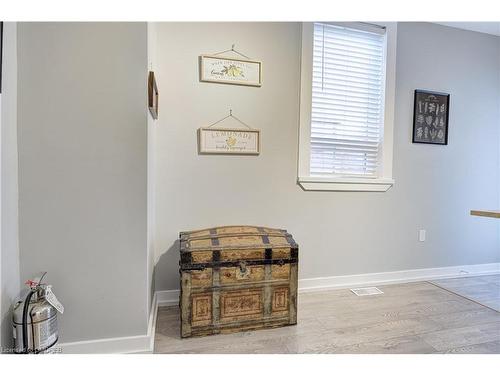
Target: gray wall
<point x="82" y="120"/>
<point x="10" y="282"/>
<point x="151" y="229"/>
<point x="340" y="233"/>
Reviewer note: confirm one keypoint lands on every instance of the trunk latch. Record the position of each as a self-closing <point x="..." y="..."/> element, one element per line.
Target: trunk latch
<point x="243" y="271"/>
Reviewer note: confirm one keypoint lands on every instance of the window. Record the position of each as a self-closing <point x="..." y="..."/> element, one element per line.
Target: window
<point x="347" y="96"/>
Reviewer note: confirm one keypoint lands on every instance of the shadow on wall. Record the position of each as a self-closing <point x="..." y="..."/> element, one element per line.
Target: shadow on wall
<point x="7" y="339"/>
<point x="166" y="270"/>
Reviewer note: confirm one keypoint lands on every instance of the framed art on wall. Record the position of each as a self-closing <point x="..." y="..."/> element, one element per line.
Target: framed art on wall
<point x="152" y="95"/>
<point x="430" y="117"/>
<point x="228" y="141"/>
<point x="232" y="71"/>
<point x="220" y="140"/>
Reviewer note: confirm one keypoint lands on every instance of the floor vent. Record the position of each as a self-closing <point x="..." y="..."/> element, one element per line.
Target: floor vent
<point x="366" y="291"/>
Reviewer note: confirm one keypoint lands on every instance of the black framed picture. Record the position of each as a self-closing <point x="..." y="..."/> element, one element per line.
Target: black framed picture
<point x="152" y="95"/>
<point x="430" y="117"/>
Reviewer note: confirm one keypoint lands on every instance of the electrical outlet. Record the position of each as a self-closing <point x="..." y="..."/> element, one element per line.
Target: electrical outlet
<point x="421" y="235"/>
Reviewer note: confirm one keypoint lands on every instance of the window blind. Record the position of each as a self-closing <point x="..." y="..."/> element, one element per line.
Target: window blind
<point x="347" y="113"/>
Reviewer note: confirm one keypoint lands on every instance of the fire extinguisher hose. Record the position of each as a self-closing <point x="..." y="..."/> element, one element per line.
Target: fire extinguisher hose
<point x="25" y="320"/>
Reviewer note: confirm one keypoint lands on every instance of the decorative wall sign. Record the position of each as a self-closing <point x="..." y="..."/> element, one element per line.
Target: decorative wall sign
<point x="212" y="140"/>
<point x="231" y="71"/>
<point x="430" y="117"/>
<point x="152" y="95"/>
<point x="228" y="141"/>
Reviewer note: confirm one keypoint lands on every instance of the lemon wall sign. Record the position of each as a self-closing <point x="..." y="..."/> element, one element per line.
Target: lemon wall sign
<point x="230" y="71"/>
<point x="228" y="141"/>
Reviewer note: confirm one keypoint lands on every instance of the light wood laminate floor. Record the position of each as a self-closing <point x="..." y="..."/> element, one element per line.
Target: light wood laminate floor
<point x="414" y="317"/>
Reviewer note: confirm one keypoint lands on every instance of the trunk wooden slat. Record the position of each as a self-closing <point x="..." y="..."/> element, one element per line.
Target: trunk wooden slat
<point x="237" y="278"/>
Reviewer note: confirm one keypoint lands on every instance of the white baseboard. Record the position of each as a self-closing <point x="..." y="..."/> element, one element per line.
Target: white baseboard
<point x="129" y="344"/>
<point x="167" y="297"/>
<point x="152" y="324"/>
<point x="395" y="277"/>
<point x="145" y="343"/>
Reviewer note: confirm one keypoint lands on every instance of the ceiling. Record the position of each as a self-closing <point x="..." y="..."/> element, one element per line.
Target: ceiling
<point x="492" y="28"/>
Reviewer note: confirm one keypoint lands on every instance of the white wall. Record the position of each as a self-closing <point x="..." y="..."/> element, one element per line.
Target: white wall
<point x="82" y="132"/>
<point x="338" y="233"/>
<point x="9" y="261"/>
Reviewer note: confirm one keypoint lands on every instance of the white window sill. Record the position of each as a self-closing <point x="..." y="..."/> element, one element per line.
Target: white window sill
<point x="345" y="184"/>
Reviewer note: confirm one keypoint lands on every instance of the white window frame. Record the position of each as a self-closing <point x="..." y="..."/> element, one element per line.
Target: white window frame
<point x="384" y="180"/>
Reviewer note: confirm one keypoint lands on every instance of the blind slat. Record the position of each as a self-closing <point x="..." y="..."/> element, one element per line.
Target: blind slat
<point x="328" y="72"/>
<point x="327" y="89"/>
<point x="334" y="49"/>
<point x="346" y="33"/>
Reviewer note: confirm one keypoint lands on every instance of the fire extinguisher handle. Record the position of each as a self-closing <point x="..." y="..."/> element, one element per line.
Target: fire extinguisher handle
<point x="40" y="277"/>
<point x="36" y="281"/>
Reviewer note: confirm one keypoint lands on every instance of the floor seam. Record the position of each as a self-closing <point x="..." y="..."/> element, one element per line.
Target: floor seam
<point x="461" y="296"/>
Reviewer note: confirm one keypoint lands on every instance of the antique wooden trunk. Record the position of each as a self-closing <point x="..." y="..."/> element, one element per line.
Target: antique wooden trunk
<point x="237" y="278"/>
